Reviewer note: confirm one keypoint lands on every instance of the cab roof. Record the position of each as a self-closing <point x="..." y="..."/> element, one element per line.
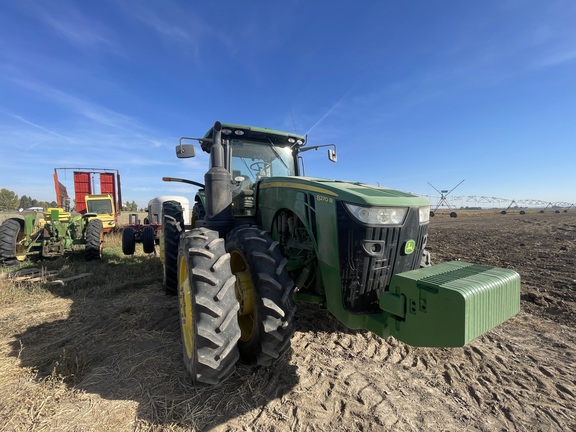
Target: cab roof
<point x="253" y="133"/>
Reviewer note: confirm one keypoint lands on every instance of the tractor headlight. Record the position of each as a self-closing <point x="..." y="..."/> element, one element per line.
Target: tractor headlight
<point x="424" y="214"/>
<point x="378" y="215"/>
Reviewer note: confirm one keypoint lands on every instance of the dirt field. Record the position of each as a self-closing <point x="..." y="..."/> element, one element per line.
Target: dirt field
<point x="104" y="353"/>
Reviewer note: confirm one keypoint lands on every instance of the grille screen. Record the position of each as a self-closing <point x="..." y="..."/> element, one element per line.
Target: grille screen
<point x="369" y="257"/>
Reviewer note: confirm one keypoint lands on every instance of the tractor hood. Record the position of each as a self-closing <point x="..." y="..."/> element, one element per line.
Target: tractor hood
<point x="351" y="192"/>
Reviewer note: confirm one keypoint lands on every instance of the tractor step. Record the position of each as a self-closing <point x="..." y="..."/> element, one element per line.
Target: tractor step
<point x="449" y="304"/>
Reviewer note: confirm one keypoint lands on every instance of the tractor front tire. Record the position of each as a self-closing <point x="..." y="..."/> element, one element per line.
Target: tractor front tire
<point x="94" y="239"/>
<point x="11" y="235"/>
<point x="208" y="307"/>
<point x="128" y="241"/>
<point x="172" y="228"/>
<point x="263" y="289"/>
<point x="198" y="213"/>
<point x="148" y="239"/>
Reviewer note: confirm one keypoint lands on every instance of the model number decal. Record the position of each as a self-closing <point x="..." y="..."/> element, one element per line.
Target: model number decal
<point x="324" y="199"/>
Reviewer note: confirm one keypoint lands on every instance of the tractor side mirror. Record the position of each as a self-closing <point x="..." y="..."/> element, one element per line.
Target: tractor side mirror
<point x="184" y="151"/>
<point x="332" y="156"/>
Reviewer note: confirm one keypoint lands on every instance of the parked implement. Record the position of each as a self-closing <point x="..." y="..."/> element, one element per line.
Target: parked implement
<point x="137" y="232"/>
<point x="53" y="232"/>
<point x="147" y="231"/>
<point x="264" y="235"/>
<point x="50" y="235"/>
<point x="106" y="204"/>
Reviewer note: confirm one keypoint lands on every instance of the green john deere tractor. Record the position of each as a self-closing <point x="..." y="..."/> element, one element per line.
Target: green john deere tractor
<point x="263" y="236"/>
<point x="50" y="234"/>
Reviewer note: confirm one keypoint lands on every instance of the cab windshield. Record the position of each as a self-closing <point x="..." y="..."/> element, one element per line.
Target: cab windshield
<point x="254" y="161"/>
<point x="99" y="206"/>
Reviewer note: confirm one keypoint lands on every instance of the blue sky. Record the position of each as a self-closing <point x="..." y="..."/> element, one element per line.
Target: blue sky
<point x="410" y="91"/>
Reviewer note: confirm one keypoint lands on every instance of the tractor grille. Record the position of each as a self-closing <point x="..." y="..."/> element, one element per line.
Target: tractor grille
<point x="370" y="256"/>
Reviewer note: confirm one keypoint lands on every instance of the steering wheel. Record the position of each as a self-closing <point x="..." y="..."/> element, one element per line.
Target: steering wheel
<point x="257" y="166"/>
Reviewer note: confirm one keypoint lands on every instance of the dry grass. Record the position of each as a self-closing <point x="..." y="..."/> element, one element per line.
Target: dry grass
<point x="104" y="352"/>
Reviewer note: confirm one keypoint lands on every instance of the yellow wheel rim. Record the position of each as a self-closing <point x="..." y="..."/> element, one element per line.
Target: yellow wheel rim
<point x="245" y="295"/>
<point x="101" y="241"/>
<point x="185" y="299"/>
<point x="20" y="247"/>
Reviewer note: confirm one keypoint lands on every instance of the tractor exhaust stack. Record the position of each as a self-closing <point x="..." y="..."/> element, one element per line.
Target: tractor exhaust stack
<point x="217" y="182"/>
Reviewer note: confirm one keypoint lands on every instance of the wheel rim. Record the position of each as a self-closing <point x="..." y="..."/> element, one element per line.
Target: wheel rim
<point x="101" y="246"/>
<point x="20" y="248"/>
<point x="185" y="306"/>
<point x="244" y="289"/>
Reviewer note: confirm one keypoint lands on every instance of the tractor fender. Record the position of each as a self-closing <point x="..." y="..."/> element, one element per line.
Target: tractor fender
<point x="200" y="198"/>
<point x="294" y="202"/>
<point x="298" y="217"/>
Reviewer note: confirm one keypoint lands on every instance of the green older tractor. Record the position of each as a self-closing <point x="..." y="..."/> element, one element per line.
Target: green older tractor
<point x="263" y="236"/>
<point x="50" y="234"/>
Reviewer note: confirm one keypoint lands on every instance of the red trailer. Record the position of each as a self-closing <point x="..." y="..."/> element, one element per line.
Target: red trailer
<point x="96" y="190"/>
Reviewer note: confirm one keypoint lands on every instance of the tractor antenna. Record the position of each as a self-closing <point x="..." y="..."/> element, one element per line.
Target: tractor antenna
<point x="293" y="122"/>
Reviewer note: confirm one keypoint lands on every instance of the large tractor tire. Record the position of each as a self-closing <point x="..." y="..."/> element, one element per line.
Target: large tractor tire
<point x="128" y="241"/>
<point x="11" y="235"/>
<point x="172" y="228"/>
<point x="198" y="213"/>
<point x="208" y="307"/>
<point x="94" y="239"/>
<point x="263" y="289"/>
<point x="148" y="239"/>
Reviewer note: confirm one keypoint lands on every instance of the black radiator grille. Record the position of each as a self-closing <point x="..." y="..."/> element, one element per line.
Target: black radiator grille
<point x="369" y="257"/>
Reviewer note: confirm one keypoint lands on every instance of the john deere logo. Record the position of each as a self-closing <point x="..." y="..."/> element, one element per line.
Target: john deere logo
<point x="409" y="247"/>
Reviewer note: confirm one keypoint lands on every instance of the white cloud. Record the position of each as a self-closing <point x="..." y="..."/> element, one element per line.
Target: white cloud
<point x="556" y="59"/>
<point x="78" y="105"/>
<point x="170" y="21"/>
<point x="72" y="25"/>
<point x="37" y="126"/>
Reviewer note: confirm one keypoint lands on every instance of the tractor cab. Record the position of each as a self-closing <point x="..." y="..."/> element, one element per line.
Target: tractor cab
<point x="254" y="153"/>
<point x="103" y="207"/>
<point x="250" y="154"/>
<point x="249" y="161"/>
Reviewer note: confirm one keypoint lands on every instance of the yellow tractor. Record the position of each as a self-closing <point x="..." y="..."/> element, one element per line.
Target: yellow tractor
<point x="103" y="206"/>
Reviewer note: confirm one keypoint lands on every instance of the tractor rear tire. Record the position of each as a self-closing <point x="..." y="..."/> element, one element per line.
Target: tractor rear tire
<point x="263" y="289"/>
<point x="148" y="239"/>
<point x="11" y="234"/>
<point x="198" y="213"/>
<point x="172" y="228"/>
<point x="208" y="307"/>
<point x="128" y="241"/>
<point x="94" y="239"/>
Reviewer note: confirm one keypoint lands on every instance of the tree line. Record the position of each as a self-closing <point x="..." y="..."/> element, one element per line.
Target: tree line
<point x="10" y="201"/>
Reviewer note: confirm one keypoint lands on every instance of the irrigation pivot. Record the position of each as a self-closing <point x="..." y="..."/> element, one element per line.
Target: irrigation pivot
<point x="444" y="200"/>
